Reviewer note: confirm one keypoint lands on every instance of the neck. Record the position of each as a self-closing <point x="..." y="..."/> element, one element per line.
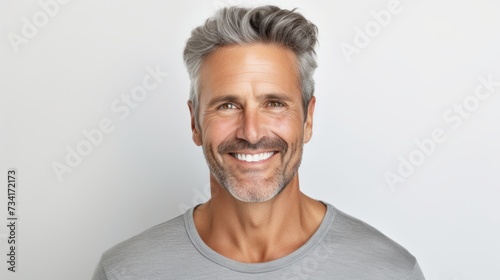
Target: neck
<point x="258" y="232"/>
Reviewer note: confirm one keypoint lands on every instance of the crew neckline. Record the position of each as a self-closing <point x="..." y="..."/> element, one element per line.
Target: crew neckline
<point x="276" y="264"/>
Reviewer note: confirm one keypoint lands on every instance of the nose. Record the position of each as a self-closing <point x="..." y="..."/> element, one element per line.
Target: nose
<point x="252" y="126"/>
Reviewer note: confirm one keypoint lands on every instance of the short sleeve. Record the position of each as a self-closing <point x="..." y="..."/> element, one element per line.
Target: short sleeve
<point x="417" y="273"/>
<point x="99" y="273"/>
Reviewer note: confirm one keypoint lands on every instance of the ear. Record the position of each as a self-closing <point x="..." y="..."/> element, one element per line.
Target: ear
<point x="194" y="128"/>
<point x="308" y="124"/>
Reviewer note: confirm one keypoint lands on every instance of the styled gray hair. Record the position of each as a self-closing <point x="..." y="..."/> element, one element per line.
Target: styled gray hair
<point x="265" y="24"/>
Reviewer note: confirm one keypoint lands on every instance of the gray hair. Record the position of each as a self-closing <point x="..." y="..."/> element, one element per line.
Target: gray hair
<point x="266" y="24"/>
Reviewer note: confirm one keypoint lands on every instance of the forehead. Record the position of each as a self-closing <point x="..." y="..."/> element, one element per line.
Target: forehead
<point x="256" y="67"/>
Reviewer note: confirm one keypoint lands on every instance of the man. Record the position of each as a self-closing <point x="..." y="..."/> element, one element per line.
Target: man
<point x="252" y="107"/>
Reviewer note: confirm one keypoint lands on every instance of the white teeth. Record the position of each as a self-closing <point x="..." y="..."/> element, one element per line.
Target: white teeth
<point x="253" y="158"/>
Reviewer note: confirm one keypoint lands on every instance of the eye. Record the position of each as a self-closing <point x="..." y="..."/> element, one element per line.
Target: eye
<point x="226" y="106"/>
<point x="275" y="104"/>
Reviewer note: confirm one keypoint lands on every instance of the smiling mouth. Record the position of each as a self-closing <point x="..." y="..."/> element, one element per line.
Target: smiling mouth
<point x="253" y="157"/>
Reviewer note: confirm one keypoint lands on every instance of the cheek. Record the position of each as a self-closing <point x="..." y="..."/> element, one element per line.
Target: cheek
<point x="288" y="127"/>
<point x="216" y="130"/>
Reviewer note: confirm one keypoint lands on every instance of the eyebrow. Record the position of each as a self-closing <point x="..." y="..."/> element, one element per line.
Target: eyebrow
<point x="222" y="99"/>
<point x="235" y="98"/>
<point x="275" y="96"/>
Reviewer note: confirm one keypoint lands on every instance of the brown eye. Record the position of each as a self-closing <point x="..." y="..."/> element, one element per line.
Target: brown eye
<point x="227" y="106"/>
<point x="275" y="104"/>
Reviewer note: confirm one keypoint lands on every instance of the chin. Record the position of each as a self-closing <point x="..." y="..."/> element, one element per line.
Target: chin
<point x="254" y="194"/>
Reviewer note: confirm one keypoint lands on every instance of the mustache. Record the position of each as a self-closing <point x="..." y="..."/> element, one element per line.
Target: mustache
<point x="265" y="143"/>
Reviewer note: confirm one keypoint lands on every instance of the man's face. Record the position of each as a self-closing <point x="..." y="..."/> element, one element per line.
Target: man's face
<point x="251" y="120"/>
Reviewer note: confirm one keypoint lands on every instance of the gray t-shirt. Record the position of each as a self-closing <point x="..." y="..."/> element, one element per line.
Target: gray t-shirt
<point x="342" y="248"/>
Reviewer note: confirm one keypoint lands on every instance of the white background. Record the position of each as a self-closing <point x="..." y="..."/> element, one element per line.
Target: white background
<point x="369" y="112"/>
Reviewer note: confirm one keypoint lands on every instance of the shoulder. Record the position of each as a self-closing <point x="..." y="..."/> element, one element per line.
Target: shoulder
<point x="163" y="234"/>
<point x="361" y="244"/>
<point x="158" y="244"/>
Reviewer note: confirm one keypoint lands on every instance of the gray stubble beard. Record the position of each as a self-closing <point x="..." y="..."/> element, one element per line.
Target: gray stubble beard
<point x="243" y="193"/>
